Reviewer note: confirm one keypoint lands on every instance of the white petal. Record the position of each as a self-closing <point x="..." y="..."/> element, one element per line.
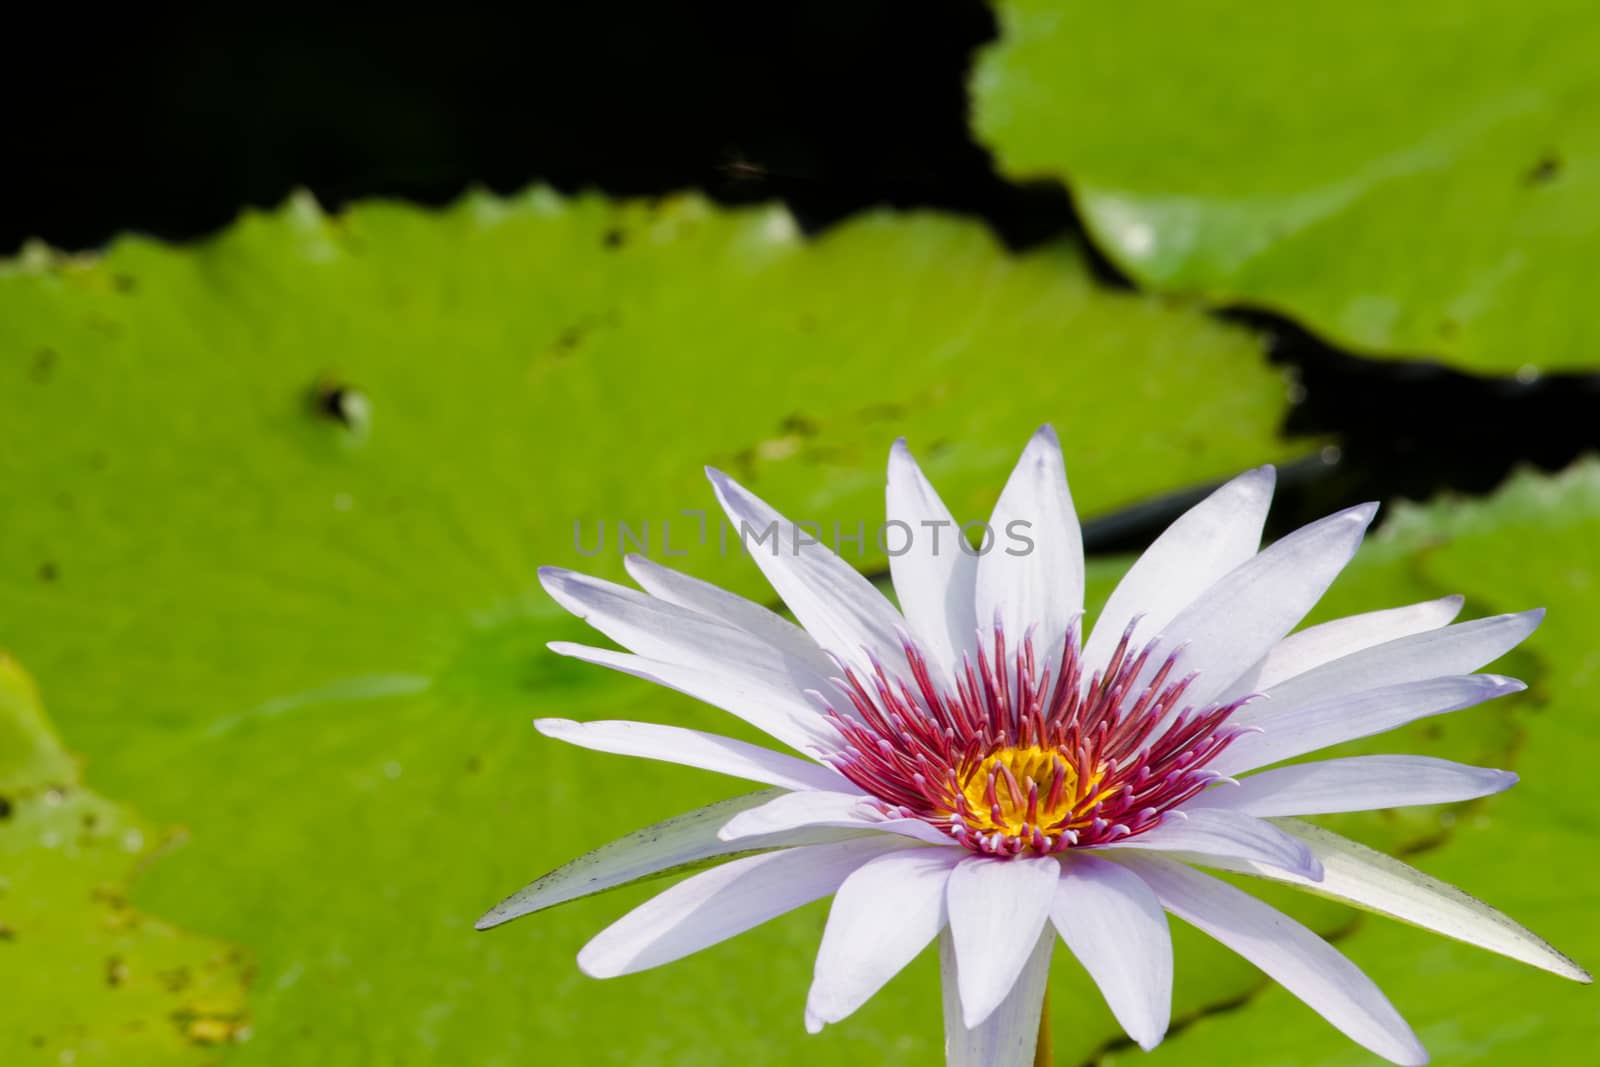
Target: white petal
<point x="782" y="713"/>
<point x="1290" y="954"/>
<point x="1207" y="836"/>
<point x="997" y="908"/>
<point x="1039" y="586"/>
<point x="718" y="603"/>
<point x="794" y="811"/>
<point x="1293" y="731"/>
<point x="693" y="748"/>
<point x="1458" y="649"/>
<point x="1009" y="1036"/>
<point x="935" y="577"/>
<point x="837" y="606"/>
<point x="882" y="916"/>
<point x="1114" y="924"/>
<point x="1328" y="641"/>
<point x="681" y="841"/>
<point x="1358" y="875"/>
<point x="1205" y="543"/>
<point x="1356" y="783"/>
<point x="657" y="629"/>
<point x="1230" y="626"/>
<point x="709" y="908"/>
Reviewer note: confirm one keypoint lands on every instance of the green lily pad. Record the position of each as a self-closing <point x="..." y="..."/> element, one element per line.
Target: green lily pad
<point x="1409" y="180"/>
<point x="274" y="505"/>
<point x="90" y="980"/>
<point x="1530" y="852"/>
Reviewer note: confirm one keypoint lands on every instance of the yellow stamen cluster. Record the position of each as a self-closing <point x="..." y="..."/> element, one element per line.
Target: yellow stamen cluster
<point x="1018" y="790"/>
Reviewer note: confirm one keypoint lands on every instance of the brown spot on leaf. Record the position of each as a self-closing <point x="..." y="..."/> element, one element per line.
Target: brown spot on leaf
<point x="1544" y="171"/>
<point x="798" y="424"/>
<point x="43" y="365"/>
<point x="109" y="895"/>
<point x="568" y="341"/>
<point x="572" y="337"/>
<point x="116" y="971"/>
<point x="886" y="412"/>
<point x="176" y="980"/>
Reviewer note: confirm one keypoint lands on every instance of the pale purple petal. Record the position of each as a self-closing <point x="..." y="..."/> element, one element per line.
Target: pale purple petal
<point x="936" y="575"/>
<point x="1238" y="619"/>
<point x="1458" y="649"/>
<point x="844" y="810"/>
<point x="711" y="907"/>
<point x="1205" y="543"/>
<point x="716" y="602"/>
<point x="1358" y="875"/>
<point x="693" y="748"/>
<point x="1290" y="954"/>
<point x="1038" y="587"/>
<point x="1207" y="836"/>
<point x="660" y="630"/>
<point x="680" y="841"/>
<point x="1114" y="925"/>
<point x="780" y="712"/>
<point x="1287" y="732"/>
<point x="837" y="606"/>
<point x="1315" y="645"/>
<point x="997" y="908"/>
<point x="1008" y="1037"/>
<point x="885" y="913"/>
<point x="1355" y="783"/>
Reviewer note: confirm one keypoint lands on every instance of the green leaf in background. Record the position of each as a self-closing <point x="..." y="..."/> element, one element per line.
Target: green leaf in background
<point x="1407" y="179"/>
<point x="274" y="505"/>
<point x="88" y="979"/>
<point x="1530" y="852"/>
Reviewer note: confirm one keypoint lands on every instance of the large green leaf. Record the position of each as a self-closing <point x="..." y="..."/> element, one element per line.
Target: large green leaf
<point x="1409" y="179"/>
<point x="274" y="505"/>
<point x="1530" y="852"/>
<point x="90" y="980"/>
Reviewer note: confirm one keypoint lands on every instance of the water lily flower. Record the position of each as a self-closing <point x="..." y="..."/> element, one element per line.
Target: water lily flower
<point x="971" y="768"/>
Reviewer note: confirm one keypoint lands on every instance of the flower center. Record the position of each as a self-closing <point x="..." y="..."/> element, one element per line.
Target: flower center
<point x="1018" y="789"/>
<point x="1018" y="757"/>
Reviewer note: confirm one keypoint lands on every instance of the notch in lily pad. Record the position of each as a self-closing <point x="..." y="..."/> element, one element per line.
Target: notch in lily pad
<point x="343" y="403"/>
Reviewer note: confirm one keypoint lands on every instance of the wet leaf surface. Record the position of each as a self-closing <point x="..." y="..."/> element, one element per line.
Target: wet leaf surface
<point x="1430" y="193"/>
<point x="274" y="508"/>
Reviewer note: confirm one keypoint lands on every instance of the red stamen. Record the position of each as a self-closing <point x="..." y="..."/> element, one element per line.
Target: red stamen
<point x="1119" y="752"/>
